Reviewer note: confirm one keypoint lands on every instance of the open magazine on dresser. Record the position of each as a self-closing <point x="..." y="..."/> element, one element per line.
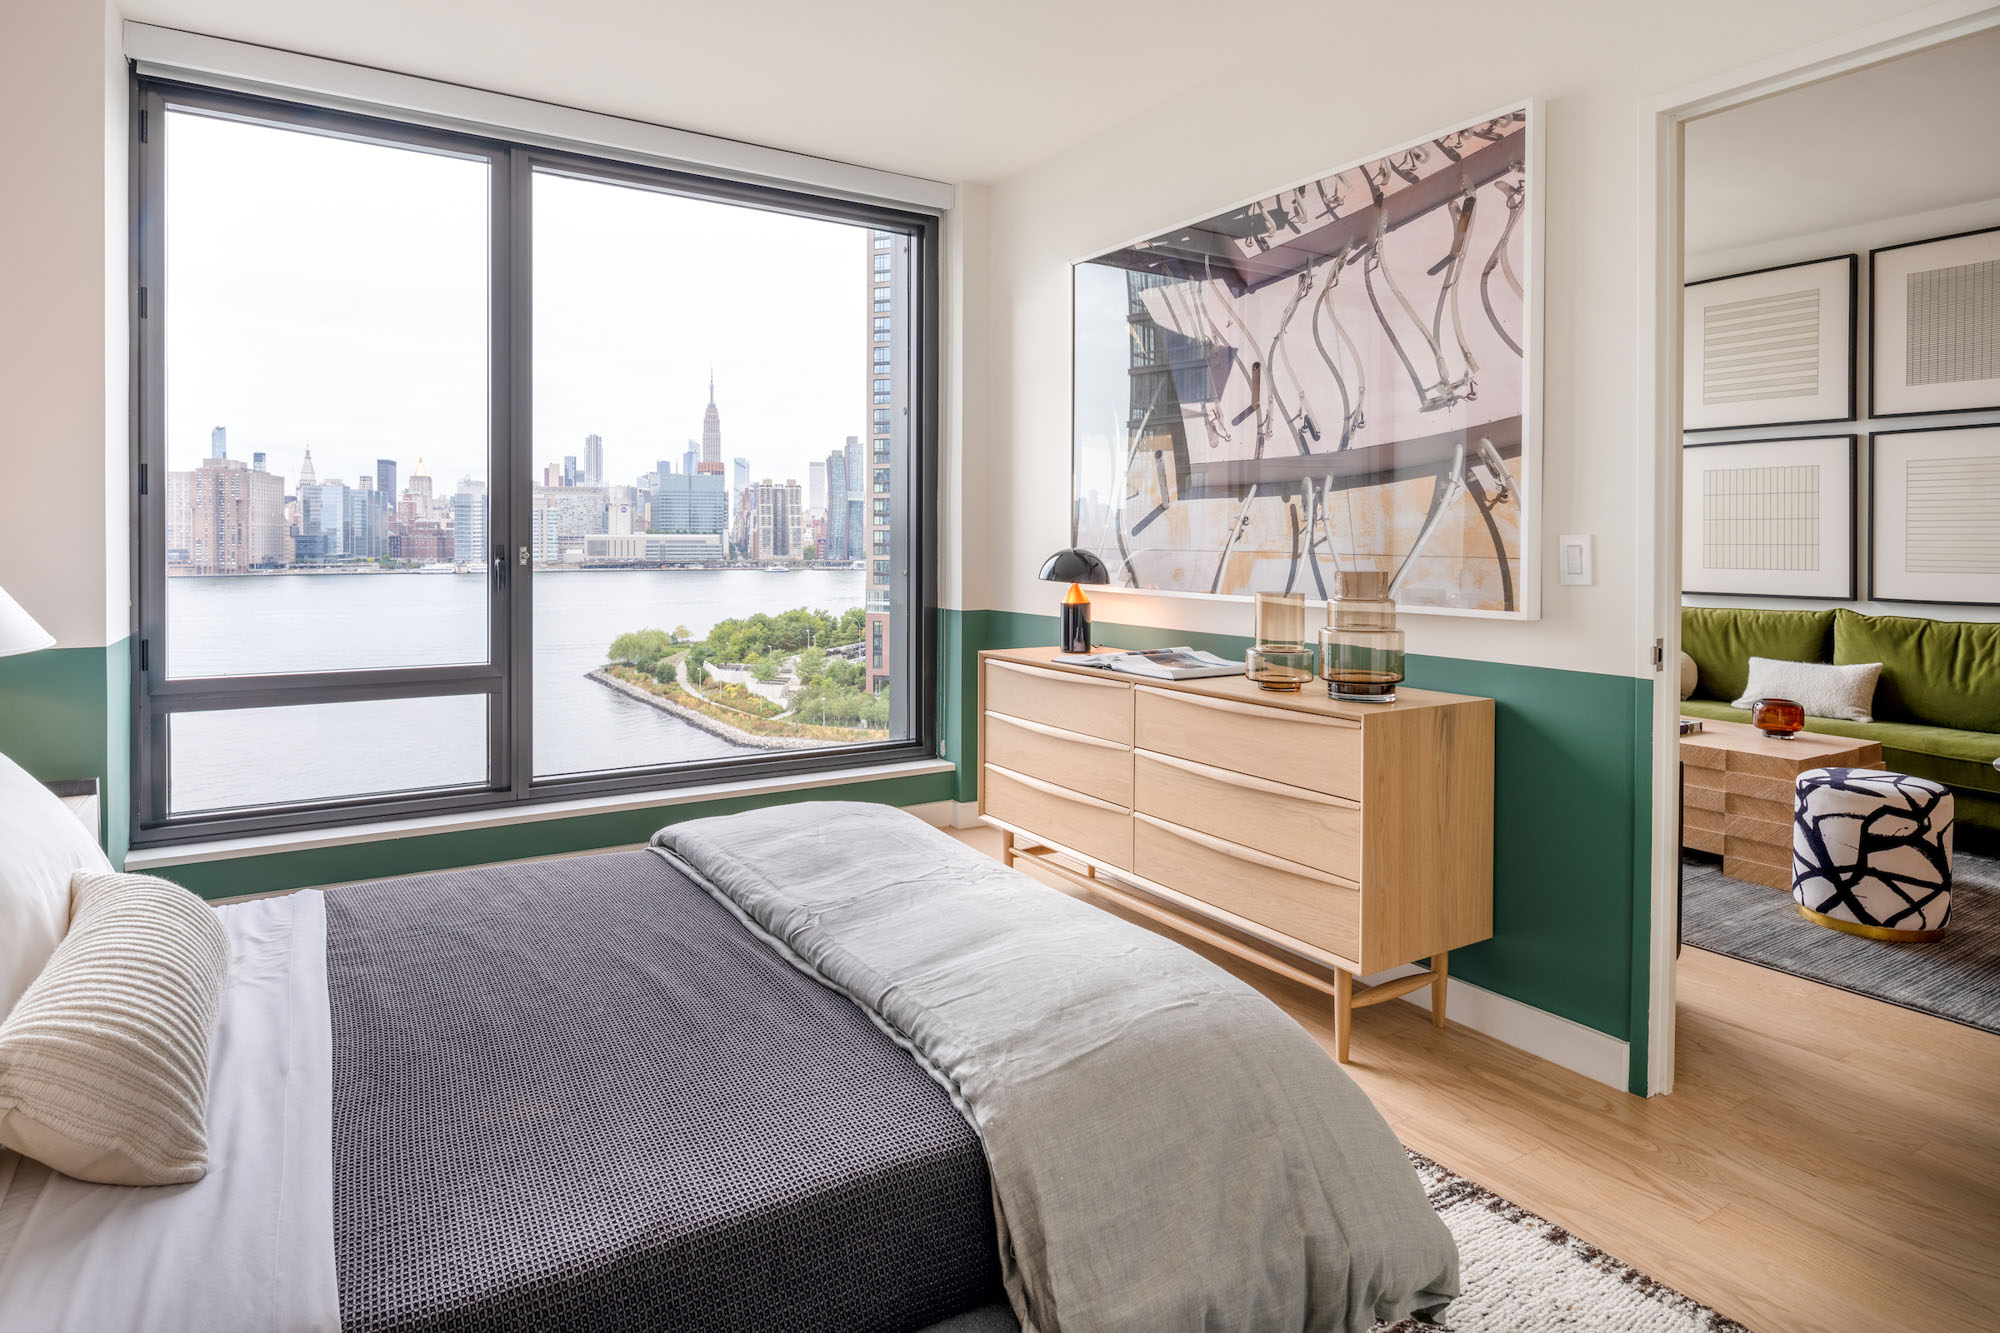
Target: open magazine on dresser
<point x="1158" y="663"/>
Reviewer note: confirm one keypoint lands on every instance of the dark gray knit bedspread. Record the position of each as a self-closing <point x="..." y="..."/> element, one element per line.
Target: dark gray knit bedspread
<point x="579" y="1094"/>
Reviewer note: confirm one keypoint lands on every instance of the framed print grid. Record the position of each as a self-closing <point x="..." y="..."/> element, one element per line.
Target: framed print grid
<point x="1935" y="325"/>
<point x="1934" y="515"/>
<point x="1771" y="347"/>
<point x="1769" y="518"/>
<point x="1340" y="375"/>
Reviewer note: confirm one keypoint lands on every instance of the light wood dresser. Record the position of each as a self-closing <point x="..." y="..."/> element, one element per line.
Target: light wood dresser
<point x="1317" y="838"/>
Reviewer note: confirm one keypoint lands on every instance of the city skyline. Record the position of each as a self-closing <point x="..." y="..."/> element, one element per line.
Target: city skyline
<point x="265" y="300"/>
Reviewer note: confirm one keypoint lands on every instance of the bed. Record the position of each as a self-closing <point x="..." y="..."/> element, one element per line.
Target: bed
<point x="811" y="1067"/>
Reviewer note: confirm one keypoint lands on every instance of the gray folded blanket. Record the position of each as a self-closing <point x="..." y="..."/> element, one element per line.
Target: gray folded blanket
<point x="1168" y="1150"/>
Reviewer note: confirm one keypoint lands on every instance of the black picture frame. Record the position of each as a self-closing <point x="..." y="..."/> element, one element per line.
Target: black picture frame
<point x="1874" y="468"/>
<point x="1853" y="592"/>
<point x="1853" y="345"/>
<point x="1874" y="343"/>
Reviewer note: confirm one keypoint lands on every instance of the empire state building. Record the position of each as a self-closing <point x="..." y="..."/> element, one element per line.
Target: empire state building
<point x="711" y="433"/>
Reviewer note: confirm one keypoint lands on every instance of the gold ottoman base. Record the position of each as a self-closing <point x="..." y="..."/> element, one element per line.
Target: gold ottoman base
<point x="1868" y="932"/>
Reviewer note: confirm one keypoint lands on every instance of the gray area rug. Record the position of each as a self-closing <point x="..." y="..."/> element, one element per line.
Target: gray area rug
<point x="1957" y="977"/>
<point x="1523" y="1274"/>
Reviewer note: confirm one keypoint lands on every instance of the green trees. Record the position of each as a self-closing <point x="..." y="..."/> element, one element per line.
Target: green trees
<point x="650" y="650"/>
<point x="833" y="691"/>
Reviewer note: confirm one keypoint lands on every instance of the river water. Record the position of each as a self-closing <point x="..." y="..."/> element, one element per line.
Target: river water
<point x="319" y="622"/>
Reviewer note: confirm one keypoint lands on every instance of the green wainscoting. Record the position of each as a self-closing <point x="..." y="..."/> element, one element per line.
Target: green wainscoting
<point x="67" y="713"/>
<point x="508" y="842"/>
<point x="1571" y="842"/>
<point x="1572" y="823"/>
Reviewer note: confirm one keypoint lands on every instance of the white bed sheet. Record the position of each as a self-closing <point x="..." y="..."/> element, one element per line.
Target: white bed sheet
<point x="250" y="1246"/>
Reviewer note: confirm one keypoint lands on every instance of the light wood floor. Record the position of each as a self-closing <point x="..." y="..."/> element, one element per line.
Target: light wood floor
<point x="1827" y="1162"/>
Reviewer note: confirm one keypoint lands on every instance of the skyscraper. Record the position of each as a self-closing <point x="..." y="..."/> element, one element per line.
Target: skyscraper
<point x="836" y="505"/>
<point x="742" y="477"/>
<point x="691" y="460"/>
<point x="593" y="460"/>
<point x="307" y="475"/>
<point x="780" y="521"/>
<point x="385" y="486"/>
<point x="218" y="442"/>
<point x="711" y="433"/>
<point x="420" y="488"/>
<point x="816" y="487"/>
<point x="257" y="463"/>
<point x="468" y="524"/>
<point x="571" y="473"/>
<point x="690" y="502"/>
<point x="887" y="379"/>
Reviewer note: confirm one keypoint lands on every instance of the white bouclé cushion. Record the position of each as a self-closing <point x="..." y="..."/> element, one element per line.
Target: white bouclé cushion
<point x="1845" y="692"/>
<point x="104" y="1062"/>
<point x="1690" y="675"/>
<point x="41" y="846"/>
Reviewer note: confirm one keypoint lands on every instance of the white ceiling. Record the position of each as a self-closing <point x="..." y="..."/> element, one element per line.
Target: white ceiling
<point x="1909" y="136"/>
<point x="951" y="91"/>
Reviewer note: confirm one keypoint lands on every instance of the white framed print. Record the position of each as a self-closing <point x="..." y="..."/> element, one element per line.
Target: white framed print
<point x="1935" y="325"/>
<point x="1771" y="347"/>
<point x="1934" y="515"/>
<point x="1769" y="518"/>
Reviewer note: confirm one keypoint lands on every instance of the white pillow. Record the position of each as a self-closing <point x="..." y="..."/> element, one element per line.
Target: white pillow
<point x="1845" y="692"/>
<point x="41" y="846"/>
<point x="104" y="1062"/>
<point x="1690" y="675"/>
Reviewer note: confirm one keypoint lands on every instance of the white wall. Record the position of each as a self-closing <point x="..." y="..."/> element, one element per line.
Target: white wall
<point x="1282" y="104"/>
<point x="1857" y="239"/>
<point x="63" y="433"/>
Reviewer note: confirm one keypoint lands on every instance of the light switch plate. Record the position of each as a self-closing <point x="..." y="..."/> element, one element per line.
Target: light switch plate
<point x="1576" y="558"/>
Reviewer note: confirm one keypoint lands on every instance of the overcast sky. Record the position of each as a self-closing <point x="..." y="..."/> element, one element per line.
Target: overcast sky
<point x="333" y="295"/>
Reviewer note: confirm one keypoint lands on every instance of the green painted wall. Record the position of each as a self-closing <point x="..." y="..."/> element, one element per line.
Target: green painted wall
<point x="67" y="713"/>
<point x="1571" y="823"/>
<point x="1571" y="839"/>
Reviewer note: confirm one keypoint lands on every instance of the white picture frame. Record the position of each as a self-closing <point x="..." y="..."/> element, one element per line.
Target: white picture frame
<point x="1770" y="347"/>
<point x="1220" y="519"/>
<point x="1934" y="516"/>
<point x="1769" y="518"/>
<point x="1934" y="325"/>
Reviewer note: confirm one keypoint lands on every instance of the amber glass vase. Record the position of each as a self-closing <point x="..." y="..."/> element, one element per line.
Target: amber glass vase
<point x="1780" y="719"/>
<point x="1279" y="657"/>
<point x="1361" y="649"/>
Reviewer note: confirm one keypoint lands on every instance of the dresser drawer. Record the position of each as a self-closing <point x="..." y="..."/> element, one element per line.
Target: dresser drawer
<point x="1284" y="745"/>
<point x="1251" y="885"/>
<point x="1090" y="825"/>
<point x="1081" y="763"/>
<point x="1100" y="708"/>
<point x="1289" y="822"/>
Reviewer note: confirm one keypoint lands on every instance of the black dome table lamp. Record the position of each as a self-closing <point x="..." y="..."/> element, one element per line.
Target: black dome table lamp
<point x="1075" y="567"/>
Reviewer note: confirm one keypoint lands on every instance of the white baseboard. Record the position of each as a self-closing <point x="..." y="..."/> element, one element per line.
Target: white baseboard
<point x="1595" y="1055"/>
<point x="947" y="814"/>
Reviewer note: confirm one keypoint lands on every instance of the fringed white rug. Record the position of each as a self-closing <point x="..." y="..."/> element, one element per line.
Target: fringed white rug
<point x="1523" y="1274"/>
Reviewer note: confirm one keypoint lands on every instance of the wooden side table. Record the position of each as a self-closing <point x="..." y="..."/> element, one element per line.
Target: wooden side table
<point x="1737" y="787"/>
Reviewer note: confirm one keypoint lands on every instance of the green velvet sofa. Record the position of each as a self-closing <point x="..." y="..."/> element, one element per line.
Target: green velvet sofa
<point x="1937" y="706"/>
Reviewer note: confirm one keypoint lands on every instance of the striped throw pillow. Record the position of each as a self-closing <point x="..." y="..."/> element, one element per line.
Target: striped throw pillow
<point x="104" y="1062"/>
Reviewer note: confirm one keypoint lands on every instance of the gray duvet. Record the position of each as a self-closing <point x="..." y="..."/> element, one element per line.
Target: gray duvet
<point x="1167" y="1149"/>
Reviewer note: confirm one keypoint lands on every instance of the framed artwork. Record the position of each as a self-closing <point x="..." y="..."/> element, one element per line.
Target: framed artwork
<point x="1769" y="518"/>
<point x="1934" y="316"/>
<point x="1773" y="347"/>
<point x="1341" y="374"/>
<point x="1934" y="515"/>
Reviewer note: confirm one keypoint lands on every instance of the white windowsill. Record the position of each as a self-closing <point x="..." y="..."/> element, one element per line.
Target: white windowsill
<point x="342" y="835"/>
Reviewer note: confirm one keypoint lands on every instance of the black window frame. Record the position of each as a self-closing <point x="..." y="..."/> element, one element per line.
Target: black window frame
<point x="506" y="678"/>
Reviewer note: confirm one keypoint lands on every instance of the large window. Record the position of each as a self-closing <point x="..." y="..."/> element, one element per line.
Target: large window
<point x="473" y="473"/>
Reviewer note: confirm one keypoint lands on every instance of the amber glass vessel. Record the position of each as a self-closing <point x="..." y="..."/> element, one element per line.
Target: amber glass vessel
<point x="1361" y="649"/>
<point x="1780" y="719"/>
<point x="1279" y="657"/>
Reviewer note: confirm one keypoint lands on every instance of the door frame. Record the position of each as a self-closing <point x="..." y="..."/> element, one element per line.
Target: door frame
<point x="1658" y="405"/>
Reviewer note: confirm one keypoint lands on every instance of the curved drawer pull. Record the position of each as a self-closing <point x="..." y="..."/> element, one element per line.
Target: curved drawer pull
<point x="1238" y="851"/>
<point x="1051" y="673"/>
<point x="1262" y="786"/>
<point x="1057" y="733"/>
<point x="1268" y="712"/>
<point x="1059" y="792"/>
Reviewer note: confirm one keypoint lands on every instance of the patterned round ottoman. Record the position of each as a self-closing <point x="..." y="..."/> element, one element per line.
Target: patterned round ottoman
<point x="1871" y="853"/>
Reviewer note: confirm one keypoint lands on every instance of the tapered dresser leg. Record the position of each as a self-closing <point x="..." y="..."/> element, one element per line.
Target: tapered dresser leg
<point x="1343" y="1012"/>
<point x="1442" y="979"/>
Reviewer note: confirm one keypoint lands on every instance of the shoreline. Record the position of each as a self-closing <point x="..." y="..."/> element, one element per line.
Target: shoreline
<point x="703" y="722"/>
